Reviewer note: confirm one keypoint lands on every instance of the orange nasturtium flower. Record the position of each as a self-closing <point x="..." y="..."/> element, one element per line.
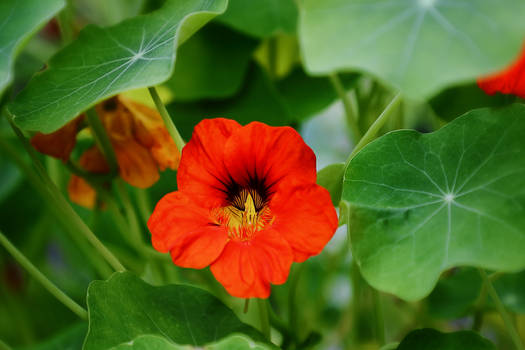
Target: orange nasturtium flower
<point x="509" y="81"/>
<point x="137" y="133"/>
<point x="248" y="205"/>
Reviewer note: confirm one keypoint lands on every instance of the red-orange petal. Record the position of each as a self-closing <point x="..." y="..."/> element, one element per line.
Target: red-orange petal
<point x="201" y="170"/>
<point x="58" y="144"/>
<point x="246" y="269"/>
<point x="183" y="227"/>
<point x="511" y="80"/>
<point x="276" y="154"/>
<point x="136" y="165"/>
<point x="305" y="218"/>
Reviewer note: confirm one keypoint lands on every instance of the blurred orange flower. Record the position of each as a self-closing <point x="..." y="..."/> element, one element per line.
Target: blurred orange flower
<point x="511" y="80"/>
<point x="139" y="138"/>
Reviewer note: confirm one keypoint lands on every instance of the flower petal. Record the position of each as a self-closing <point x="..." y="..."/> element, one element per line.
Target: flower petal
<point x="276" y="154"/>
<point x="509" y="81"/>
<point x="60" y="143"/>
<point x="306" y="218"/>
<point x="201" y="171"/>
<point x="246" y="269"/>
<point x="183" y="227"/>
<point x="136" y="165"/>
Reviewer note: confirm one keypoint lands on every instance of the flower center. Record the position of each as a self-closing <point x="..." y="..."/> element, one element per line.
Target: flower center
<point x="246" y="214"/>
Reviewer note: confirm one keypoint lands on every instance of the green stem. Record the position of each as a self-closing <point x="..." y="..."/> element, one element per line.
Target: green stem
<point x="65" y="22"/>
<point x="72" y="221"/>
<point x="263" y="317"/>
<point x="292" y="302"/>
<point x="130" y="213"/>
<point x="375" y="127"/>
<point x="172" y="129"/>
<point x="102" y="139"/>
<point x="4" y="346"/>
<point x="351" y="117"/>
<point x="378" y="316"/>
<point x="357" y="287"/>
<point x="46" y="194"/>
<point x="511" y="329"/>
<point x="39" y="276"/>
<point x="246" y="305"/>
<point x="144" y="204"/>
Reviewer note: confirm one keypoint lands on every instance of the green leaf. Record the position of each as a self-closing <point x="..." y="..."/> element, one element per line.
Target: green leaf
<point x="417" y="46"/>
<point x="511" y="292"/>
<point x="421" y="204"/>
<point x="211" y="64"/>
<point x="124" y="308"/>
<point x="331" y="178"/>
<point x="454" y="295"/>
<point x="20" y="19"/>
<point x="102" y="62"/>
<point x="233" y="342"/>
<point x="257" y="100"/>
<point x="70" y="339"/>
<point x="458" y="100"/>
<point x="430" y="339"/>
<point x="306" y="96"/>
<point x="261" y="18"/>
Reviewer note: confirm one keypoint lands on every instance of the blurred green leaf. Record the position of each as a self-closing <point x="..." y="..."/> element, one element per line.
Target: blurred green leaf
<point x="69" y="339"/>
<point x="510" y="288"/>
<point x="261" y="18"/>
<point x="125" y="307"/>
<point x="454" y="295"/>
<point x="306" y="96"/>
<point x="417" y="46"/>
<point x="211" y="64"/>
<point x="19" y="19"/>
<point x="430" y="339"/>
<point x="257" y="100"/>
<point x="331" y="178"/>
<point x="458" y="100"/>
<point x="233" y="342"/>
<point x="10" y="177"/>
<point x="421" y="204"/>
<point x="102" y="62"/>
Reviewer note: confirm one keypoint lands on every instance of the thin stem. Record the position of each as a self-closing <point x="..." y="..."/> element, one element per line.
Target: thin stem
<point x="351" y="118"/>
<point x="357" y="286"/>
<point x="263" y="317"/>
<point x="46" y="194"/>
<point x="292" y="295"/>
<point x="378" y="316"/>
<point x="375" y="127"/>
<point x="130" y="213"/>
<point x="68" y="214"/>
<point x="4" y="346"/>
<point x="102" y="139"/>
<point x="511" y="329"/>
<point x="172" y="129"/>
<point x="65" y="19"/>
<point x="144" y="204"/>
<point x="39" y="276"/>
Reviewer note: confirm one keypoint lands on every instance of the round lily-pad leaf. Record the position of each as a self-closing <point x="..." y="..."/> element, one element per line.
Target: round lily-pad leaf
<point x="430" y="339"/>
<point x="422" y="203"/>
<point x="418" y="46"/>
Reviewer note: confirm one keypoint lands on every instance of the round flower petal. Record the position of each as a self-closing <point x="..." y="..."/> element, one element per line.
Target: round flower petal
<point x="305" y="218"/>
<point x="136" y="165"/>
<point x="246" y="269"/>
<point x="182" y="226"/>
<point x="276" y="154"/>
<point x="58" y="144"/>
<point x="202" y="171"/>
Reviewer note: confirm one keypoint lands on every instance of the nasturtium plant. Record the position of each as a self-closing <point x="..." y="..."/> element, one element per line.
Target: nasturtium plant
<point x="417" y="46"/>
<point x="420" y="204"/>
<point x="262" y="174"/>
<point x="124" y="308"/>
<point x="19" y="19"/>
<point x="135" y="53"/>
